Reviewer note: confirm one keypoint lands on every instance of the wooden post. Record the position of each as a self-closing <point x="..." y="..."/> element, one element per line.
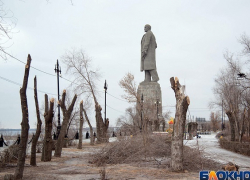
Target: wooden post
<point x="182" y="103"/>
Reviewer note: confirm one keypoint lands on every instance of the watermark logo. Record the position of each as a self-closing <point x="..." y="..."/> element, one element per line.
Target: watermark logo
<point x="225" y="175"/>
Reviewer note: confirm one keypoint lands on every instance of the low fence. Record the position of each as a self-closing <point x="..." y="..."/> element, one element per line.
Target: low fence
<point x="238" y="147"/>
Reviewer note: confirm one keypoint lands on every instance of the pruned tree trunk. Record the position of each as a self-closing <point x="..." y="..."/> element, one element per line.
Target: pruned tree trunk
<point x="101" y="126"/>
<point x="182" y="103"/>
<point x="237" y="126"/>
<point x="248" y="123"/>
<point x="24" y="125"/>
<point x="92" y="138"/>
<point x="232" y="124"/>
<point x="66" y="117"/>
<point x="38" y="127"/>
<point x="81" y="125"/>
<point x="48" y="142"/>
<point x="242" y="131"/>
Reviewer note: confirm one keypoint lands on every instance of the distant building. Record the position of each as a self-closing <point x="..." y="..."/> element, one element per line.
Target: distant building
<point x="199" y="119"/>
<point x="203" y="125"/>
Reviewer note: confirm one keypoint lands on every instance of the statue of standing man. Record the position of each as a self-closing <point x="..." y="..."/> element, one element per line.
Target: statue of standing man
<point x="148" y="63"/>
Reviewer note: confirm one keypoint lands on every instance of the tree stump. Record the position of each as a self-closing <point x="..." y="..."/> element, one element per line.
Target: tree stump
<point x="38" y="128"/>
<point x="182" y="103"/>
<point x="48" y="117"/>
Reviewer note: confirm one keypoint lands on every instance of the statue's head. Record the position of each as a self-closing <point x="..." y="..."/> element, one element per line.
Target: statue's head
<point x="147" y="27"/>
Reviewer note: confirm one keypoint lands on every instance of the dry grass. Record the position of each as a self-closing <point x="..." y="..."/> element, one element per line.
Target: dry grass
<point x="195" y="161"/>
<point x="128" y="150"/>
<point x="156" y="152"/>
<point x="9" y="155"/>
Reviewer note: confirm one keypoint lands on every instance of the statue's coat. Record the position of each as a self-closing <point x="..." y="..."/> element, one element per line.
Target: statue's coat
<point x="148" y="43"/>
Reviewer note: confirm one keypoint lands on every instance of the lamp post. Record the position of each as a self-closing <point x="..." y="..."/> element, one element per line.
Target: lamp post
<point x="141" y="112"/>
<point x="222" y="117"/>
<point x="58" y="70"/>
<point x="157" y="111"/>
<point x="105" y="88"/>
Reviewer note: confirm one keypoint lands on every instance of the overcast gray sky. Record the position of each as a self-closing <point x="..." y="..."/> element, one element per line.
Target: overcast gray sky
<point x="191" y="37"/>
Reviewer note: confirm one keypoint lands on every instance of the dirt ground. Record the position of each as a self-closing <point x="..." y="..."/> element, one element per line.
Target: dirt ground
<point x="74" y="164"/>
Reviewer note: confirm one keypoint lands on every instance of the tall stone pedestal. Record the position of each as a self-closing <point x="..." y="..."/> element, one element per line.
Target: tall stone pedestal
<point x="152" y="104"/>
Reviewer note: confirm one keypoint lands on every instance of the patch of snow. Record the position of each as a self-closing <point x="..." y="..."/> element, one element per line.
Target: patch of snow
<point x="210" y="146"/>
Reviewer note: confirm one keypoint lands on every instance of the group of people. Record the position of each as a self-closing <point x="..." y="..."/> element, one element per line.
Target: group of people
<point x="2" y="141"/>
<point x="113" y="134"/>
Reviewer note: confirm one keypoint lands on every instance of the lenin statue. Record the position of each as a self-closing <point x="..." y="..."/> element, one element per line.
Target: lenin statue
<point x="148" y="63"/>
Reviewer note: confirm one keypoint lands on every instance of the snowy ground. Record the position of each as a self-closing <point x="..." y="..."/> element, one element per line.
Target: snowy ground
<point x="211" y="148"/>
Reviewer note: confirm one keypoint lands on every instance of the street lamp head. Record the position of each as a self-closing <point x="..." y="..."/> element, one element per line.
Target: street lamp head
<point x="241" y="76"/>
<point x="105" y="85"/>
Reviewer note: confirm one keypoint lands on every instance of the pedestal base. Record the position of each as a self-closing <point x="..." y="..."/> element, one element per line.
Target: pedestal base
<point x="150" y="109"/>
<point x="151" y="91"/>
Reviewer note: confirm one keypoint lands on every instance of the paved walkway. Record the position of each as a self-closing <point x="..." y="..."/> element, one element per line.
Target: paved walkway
<point x="210" y="145"/>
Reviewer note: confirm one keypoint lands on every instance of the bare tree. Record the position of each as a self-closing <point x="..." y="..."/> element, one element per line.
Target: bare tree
<point x="7" y="24"/>
<point x="245" y="42"/>
<point x="129" y="122"/>
<point x="66" y="117"/>
<point x="47" y="141"/>
<point x="214" y="119"/>
<point x="79" y="65"/>
<point x="128" y="84"/>
<point x="182" y="103"/>
<point x="38" y="127"/>
<point x="235" y="107"/>
<point x="229" y="95"/>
